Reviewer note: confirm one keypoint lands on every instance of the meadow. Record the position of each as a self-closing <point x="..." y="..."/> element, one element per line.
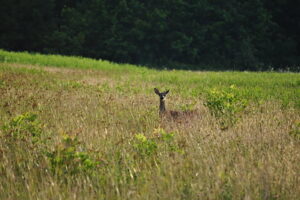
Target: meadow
<point x="78" y="128"/>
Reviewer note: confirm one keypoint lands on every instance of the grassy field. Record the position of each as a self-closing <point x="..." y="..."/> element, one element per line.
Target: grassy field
<point x="77" y="128"/>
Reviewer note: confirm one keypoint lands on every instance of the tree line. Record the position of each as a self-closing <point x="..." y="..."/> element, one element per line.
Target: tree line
<point x="192" y="34"/>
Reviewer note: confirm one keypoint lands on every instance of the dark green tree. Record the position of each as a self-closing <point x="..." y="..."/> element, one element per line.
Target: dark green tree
<point x="232" y="34"/>
<point x="26" y="25"/>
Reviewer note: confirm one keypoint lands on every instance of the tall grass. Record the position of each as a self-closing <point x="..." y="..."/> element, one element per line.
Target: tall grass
<point x="95" y="133"/>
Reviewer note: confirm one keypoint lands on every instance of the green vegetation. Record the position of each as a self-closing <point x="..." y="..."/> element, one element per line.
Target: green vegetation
<point x="283" y="87"/>
<point x="77" y="128"/>
<point x="295" y="132"/>
<point x="226" y="105"/>
<point x="190" y="34"/>
<point x="23" y="127"/>
<point x="67" y="158"/>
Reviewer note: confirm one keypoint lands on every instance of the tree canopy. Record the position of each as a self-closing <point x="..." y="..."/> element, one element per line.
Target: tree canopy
<point x="192" y="34"/>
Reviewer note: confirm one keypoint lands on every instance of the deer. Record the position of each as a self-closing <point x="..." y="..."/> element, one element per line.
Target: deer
<point x="171" y="114"/>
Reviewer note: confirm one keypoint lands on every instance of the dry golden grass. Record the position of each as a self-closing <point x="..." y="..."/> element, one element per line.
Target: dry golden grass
<point x="255" y="159"/>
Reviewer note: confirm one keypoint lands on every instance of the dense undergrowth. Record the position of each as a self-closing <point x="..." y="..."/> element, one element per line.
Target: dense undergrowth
<point x="86" y="129"/>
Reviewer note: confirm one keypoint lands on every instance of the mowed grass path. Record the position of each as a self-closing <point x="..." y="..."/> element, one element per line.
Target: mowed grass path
<point x="98" y="134"/>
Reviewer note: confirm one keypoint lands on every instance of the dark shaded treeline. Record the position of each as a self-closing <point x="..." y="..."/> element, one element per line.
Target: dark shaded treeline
<point x="231" y="34"/>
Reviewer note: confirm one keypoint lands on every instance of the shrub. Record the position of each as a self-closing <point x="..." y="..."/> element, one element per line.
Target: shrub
<point x="24" y="127"/>
<point x="225" y="105"/>
<point x="22" y="142"/>
<point x="67" y="158"/>
<point x="164" y="143"/>
<point x="144" y="146"/>
<point x="168" y="141"/>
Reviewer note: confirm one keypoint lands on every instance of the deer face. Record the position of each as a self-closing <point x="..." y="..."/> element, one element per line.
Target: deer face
<point x="162" y="95"/>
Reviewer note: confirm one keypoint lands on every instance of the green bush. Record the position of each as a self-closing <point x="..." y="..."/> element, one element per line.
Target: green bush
<point x="22" y="142"/>
<point x="168" y="141"/>
<point x="144" y="146"/>
<point x="225" y="105"/>
<point x="163" y="143"/>
<point x="67" y="158"/>
<point x="24" y="127"/>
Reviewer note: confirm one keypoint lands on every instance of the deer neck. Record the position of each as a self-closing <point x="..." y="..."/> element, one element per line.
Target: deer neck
<point x="162" y="106"/>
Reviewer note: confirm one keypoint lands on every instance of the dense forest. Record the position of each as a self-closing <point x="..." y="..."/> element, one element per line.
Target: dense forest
<point x="194" y="34"/>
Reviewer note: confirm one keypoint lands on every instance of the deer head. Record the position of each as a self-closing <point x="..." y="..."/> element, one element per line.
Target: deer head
<point x="162" y="97"/>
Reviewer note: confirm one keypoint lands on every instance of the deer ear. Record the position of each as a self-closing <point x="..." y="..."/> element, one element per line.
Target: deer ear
<point x="167" y="91"/>
<point x="156" y="91"/>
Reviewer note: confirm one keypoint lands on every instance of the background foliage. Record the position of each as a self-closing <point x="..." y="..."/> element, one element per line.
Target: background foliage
<point x="194" y="34"/>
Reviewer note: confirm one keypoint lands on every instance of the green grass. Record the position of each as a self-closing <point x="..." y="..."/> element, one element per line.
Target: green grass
<point x="257" y="86"/>
<point x="77" y="128"/>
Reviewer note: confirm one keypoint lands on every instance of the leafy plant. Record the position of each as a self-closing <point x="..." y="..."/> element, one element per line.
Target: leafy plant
<point x="23" y="143"/>
<point x="164" y="142"/>
<point x="24" y="127"/>
<point x="143" y="145"/>
<point x="168" y="141"/>
<point x="225" y="105"/>
<point x="67" y="158"/>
